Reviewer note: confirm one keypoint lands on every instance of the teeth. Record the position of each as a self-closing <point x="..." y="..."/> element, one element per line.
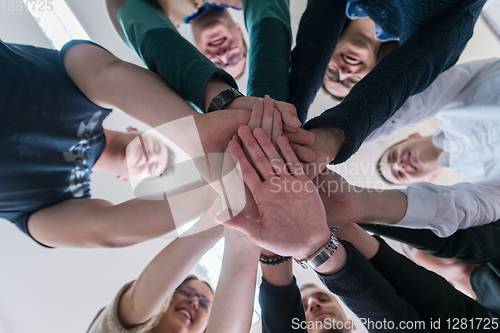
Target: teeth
<point x="217" y="42"/>
<point x="350" y="60"/>
<point x="184" y="312"/>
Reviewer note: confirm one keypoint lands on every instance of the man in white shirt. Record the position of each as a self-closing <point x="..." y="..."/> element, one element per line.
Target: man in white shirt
<point x="466" y="101"/>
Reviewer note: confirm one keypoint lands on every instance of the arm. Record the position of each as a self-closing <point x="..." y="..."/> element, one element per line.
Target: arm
<point x="163" y="274"/>
<point x="445" y="209"/>
<point x="269" y="53"/>
<point x="444" y="90"/>
<point x="156" y="40"/>
<point x="384" y="90"/>
<point x="442" y="209"/>
<point x="319" y="30"/>
<point x="474" y="245"/>
<point x="428" y="293"/>
<point x="232" y="309"/>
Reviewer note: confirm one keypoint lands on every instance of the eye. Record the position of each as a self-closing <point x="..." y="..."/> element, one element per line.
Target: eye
<point x="400" y="174"/>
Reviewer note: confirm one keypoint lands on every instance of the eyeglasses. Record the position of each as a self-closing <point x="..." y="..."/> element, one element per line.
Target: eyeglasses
<point x="332" y="74"/>
<point x="234" y="55"/>
<point x="189" y="292"/>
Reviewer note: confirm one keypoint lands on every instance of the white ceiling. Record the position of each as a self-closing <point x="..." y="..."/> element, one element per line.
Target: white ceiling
<point x="59" y="291"/>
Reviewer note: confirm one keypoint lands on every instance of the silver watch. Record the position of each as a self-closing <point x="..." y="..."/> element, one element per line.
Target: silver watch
<point x="319" y="257"/>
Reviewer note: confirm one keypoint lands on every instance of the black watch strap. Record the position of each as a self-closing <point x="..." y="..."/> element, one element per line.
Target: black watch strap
<point x="224" y="98"/>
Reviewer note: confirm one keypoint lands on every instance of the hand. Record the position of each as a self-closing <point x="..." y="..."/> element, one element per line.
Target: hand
<point x="291" y="122"/>
<point x="328" y="143"/>
<point x="293" y="219"/>
<point x="342" y="201"/>
<point x="265" y="115"/>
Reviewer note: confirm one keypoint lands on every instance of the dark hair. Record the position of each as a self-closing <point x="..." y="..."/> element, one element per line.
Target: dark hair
<point x="378" y="167"/>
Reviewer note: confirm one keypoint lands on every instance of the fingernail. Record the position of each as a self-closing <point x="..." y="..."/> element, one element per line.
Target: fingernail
<point x="232" y="135"/>
<point x="275" y="109"/>
<point x="295" y="118"/>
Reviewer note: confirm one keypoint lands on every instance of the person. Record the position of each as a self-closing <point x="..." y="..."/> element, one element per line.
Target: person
<point x="47" y="167"/>
<point x="161" y="300"/>
<point x="469" y="258"/>
<point x="215" y="33"/>
<point x="430" y="43"/>
<point x="465" y="142"/>
<point x="373" y="280"/>
<point x="152" y="35"/>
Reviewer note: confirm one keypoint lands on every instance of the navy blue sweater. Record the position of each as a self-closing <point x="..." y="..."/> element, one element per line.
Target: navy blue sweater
<point x="433" y="34"/>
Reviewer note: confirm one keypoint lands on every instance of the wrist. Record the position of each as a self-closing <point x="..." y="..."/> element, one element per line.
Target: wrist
<point x="388" y="206"/>
<point x="331" y="139"/>
<point x="214" y="86"/>
<point x="336" y="262"/>
<point x="314" y="245"/>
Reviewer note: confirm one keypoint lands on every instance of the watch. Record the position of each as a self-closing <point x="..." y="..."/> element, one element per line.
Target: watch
<point x="220" y="101"/>
<point x="319" y="257"/>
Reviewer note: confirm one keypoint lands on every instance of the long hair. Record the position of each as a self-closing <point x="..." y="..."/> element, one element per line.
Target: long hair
<point x="155" y="320"/>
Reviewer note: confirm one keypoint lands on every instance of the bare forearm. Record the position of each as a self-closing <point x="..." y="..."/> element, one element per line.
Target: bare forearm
<point x="387" y="207"/>
<point x="232" y="309"/>
<point x="163" y="274"/>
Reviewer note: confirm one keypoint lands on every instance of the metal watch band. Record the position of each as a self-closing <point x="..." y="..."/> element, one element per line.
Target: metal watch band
<point x="322" y="255"/>
<point x="220" y="101"/>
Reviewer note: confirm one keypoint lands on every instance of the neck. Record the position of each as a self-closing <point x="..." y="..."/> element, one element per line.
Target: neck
<point x="177" y="10"/>
<point x="113" y="158"/>
<point x="435" y="150"/>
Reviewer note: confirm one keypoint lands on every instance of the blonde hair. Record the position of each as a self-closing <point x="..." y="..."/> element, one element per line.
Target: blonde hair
<point x="155" y="320"/>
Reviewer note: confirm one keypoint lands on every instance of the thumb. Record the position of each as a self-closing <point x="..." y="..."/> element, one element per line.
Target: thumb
<point x="237" y="222"/>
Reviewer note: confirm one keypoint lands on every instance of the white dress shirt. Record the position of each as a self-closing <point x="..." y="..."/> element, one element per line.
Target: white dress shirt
<point x="466" y="101"/>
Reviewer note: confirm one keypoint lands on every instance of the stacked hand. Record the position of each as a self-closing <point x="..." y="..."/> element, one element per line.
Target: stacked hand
<point x="292" y="216"/>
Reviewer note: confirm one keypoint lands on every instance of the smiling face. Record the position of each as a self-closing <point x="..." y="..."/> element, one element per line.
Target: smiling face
<point x="411" y="161"/>
<point x="146" y="156"/>
<point x="354" y="57"/>
<point x="319" y="305"/>
<point x="187" y="315"/>
<point x="221" y="40"/>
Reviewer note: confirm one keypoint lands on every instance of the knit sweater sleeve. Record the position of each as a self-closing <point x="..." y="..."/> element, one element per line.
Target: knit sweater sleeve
<point x="319" y="30"/>
<point x="430" y="294"/>
<point x="281" y="308"/>
<point x="473" y="245"/>
<point x="162" y="48"/>
<point x="367" y="293"/>
<point x="406" y="71"/>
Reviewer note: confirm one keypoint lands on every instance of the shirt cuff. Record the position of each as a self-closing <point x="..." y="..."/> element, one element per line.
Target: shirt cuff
<point x="421" y="208"/>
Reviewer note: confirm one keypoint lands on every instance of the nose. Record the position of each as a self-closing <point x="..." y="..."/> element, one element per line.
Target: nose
<point x="312" y="304"/>
<point x="194" y="301"/>
<point x="344" y="72"/>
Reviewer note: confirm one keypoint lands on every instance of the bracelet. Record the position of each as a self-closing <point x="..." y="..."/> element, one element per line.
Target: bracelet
<point x="275" y="260"/>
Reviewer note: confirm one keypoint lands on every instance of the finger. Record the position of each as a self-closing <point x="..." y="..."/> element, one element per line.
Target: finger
<point x="277" y="127"/>
<point x="256" y="116"/>
<point x="267" y="118"/>
<point x="257" y="156"/>
<point x="293" y="163"/>
<point x="301" y="137"/>
<point x="237" y="222"/>
<point x="304" y="154"/>
<point x="250" y="176"/>
<point x="272" y="154"/>
<point x="289" y="114"/>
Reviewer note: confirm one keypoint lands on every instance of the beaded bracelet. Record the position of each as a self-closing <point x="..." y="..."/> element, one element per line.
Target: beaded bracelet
<point x="276" y="260"/>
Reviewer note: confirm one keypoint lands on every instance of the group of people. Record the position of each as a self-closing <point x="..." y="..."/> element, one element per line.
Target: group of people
<point x="390" y="63"/>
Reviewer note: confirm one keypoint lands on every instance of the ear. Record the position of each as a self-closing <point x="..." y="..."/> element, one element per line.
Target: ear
<point x="239" y="29"/>
<point x="122" y="178"/>
<point x="414" y="136"/>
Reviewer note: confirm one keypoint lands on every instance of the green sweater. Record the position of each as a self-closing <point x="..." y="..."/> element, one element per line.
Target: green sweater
<point x="156" y="40"/>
